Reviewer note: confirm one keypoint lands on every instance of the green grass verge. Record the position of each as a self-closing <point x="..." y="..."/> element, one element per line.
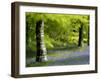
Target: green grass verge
<point x="39" y="64"/>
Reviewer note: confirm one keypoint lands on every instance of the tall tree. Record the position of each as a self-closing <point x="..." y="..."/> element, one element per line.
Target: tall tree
<point x="88" y="36"/>
<point x="41" y="55"/>
<point x="80" y="35"/>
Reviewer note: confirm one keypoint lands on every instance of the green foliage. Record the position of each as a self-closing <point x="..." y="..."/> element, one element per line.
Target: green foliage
<point x="60" y="30"/>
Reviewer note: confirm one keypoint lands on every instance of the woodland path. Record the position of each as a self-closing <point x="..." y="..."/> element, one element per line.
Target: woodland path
<point x="66" y="57"/>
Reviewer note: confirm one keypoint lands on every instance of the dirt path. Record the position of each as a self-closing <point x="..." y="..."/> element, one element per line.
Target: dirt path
<point x="71" y="58"/>
<point x="65" y="57"/>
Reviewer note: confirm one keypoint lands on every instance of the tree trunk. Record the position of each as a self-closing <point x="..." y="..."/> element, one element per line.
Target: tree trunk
<point x="41" y="55"/>
<point x="80" y="36"/>
<point x="88" y="36"/>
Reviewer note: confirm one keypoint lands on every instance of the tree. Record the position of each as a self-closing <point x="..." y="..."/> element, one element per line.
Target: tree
<point x="41" y="55"/>
<point x="88" y="37"/>
<point x="80" y="35"/>
<point x="61" y="31"/>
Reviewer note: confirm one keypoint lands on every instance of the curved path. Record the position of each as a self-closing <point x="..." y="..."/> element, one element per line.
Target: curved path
<point x="66" y="57"/>
<point x="71" y="58"/>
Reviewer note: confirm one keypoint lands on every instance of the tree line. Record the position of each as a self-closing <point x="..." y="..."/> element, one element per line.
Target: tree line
<point x="50" y="31"/>
<point x="59" y="29"/>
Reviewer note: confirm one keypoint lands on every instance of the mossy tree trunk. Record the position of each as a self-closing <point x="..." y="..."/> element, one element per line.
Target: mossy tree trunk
<point x="80" y="36"/>
<point x="41" y="55"/>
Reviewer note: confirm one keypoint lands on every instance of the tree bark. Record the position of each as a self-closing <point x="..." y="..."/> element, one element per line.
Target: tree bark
<point x="80" y="36"/>
<point x="88" y="36"/>
<point x="41" y="55"/>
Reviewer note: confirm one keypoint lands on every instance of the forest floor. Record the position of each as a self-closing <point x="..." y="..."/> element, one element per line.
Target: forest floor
<point x="77" y="56"/>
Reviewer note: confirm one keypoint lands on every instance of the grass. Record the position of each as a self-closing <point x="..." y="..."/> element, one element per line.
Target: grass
<point x="53" y="54"/>
<point x="39" y="64"/>
<point x="30" y="54"/>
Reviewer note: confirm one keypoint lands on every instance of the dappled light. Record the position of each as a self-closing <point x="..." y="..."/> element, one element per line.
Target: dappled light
<point x="65" y="39"/>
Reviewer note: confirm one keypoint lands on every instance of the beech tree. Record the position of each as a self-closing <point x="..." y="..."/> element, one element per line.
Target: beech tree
<point x="49" y="31"/>
<point x="41" y="55"/>
<point x="80" y="35"/>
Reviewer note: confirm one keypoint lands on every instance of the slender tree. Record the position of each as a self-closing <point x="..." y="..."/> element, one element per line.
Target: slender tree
<point x="88" y="37"/>
<point x="80" y="35"/>
<point x="41" y="55"/>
